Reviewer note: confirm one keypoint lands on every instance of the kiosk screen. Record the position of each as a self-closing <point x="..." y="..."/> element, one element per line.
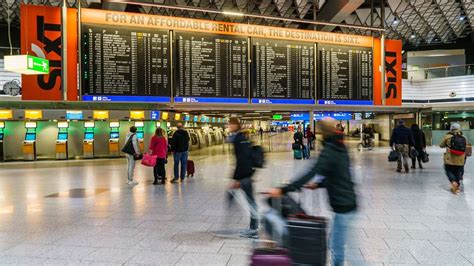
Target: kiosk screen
<point x="140" y="135"/>
<point x="62" y="136"/>
<point x="30" y="136"/>
<point x="1" y="137"/>
<point x="89" y="136"/>
<point x="114" y="135"/>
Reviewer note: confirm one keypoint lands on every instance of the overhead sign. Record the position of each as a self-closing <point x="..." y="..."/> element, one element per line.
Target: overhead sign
<point x="6" y="114"/>
<point x="74" y="115"/>
<point x="33" y="114"/>
<point x="277" y="117"/>
<point x="114" y="18"/>
<point x="155" y="115"/>
<point x="299" y="116"/>
<point x="41" y="37"/>
<point x="393" y="73"/>
<point x="137" y="114"/>
<point x="335" y="115"/>
<point x="100" y="115"/>
<point x="26" y="64"/>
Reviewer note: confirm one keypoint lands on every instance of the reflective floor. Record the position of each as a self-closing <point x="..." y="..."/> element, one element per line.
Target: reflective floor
<point x="82" y="212"/>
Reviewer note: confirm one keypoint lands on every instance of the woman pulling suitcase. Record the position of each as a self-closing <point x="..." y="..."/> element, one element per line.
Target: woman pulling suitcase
<point x="331" y="171"/>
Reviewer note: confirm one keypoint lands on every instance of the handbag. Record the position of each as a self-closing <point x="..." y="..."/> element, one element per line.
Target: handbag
<point x="425" y="157"/>
<point x="149" y="160"/>
<point x="469" y="150"/>
<point x="413" y="153"/>
<point x="128" y="147"/>
<point x="393" y="156"/>
<point x="296" y="146"/>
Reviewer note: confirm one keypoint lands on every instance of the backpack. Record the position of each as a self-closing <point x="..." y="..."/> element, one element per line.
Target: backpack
<point x="258" y="157"/>
<point x="457" y="144"/>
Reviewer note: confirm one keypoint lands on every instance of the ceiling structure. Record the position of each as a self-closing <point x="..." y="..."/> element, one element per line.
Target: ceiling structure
<point x="416" y="22"/>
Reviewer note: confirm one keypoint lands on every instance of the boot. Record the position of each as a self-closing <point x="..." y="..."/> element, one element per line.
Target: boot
<point x="406" y="169"/>
<point x="420" y="165"/>
<point x="413" y="166"/>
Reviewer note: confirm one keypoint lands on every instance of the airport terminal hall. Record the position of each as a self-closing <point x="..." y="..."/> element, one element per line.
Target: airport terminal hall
<point x="232" y="132"/>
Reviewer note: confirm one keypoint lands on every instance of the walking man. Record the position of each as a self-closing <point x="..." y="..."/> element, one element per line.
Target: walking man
<point x="402" y="141"/>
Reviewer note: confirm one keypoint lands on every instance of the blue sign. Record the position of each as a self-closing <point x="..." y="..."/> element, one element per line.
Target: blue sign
<point x="196" y="118"/>
<point x="209" y="100"/>
<point x="299" y="116"/>
<point x="119" y="98"/>
<point x="282" y="101"/>
<point x="345" y="102"/>
<point x="74" y="115"/>
<point x="186" y="118"/>
<point x="335" y="115"/>
<point x="155" y="115"/>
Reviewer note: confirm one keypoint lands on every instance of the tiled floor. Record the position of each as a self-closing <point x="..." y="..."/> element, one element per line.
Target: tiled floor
<point x="403" y="218"/>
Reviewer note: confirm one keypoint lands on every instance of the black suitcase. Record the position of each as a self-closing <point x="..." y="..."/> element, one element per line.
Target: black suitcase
<point x="307" y="239"/>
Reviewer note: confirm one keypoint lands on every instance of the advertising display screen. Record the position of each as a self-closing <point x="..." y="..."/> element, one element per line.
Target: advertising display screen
<point x="211" y="66"/>
<point x="282" y="70"/>
<point x="124" y="61"/>
<point x="140" y="135"/>
<point x="114" y="135"/>
<point x="345" y="73"/>
<point x="74" y="115"/>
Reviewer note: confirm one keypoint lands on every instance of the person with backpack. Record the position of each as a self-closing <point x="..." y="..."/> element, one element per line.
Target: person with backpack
<point x="159" y="148"/>
<point x="455" y="156"/>
<point x="419" y="143"/>
<point x="180" y="147"/>
<point x="332" y="171"/>
<point x="243" y="173"/>
<point x="132" y="138"/>
<point x="402" y="141"/>
<point x="298" y="138"/>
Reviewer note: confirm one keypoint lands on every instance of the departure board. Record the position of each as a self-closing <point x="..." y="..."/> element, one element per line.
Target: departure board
<point x="344" y="73"/>
<point x="124" y="61"/>
<point x="211" y="65"/>
<point x="283" y="69"/>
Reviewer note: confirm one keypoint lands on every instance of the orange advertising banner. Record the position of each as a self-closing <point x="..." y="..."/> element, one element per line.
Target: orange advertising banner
<point x="393" y="72"/>
<point x="114" y="18"/>
<point x="41" y="36"/>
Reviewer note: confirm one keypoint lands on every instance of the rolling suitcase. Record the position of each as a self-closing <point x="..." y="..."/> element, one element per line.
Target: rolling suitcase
<point x="270" y="257"/>
<point x="297" y="154"/>
<point x="190" y="168"/>
<point x="307" y="239"/>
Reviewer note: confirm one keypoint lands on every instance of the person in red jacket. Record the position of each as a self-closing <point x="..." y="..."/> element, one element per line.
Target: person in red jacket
<point x="159" y="147"/>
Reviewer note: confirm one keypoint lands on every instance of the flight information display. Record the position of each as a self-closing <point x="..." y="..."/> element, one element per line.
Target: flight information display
<point x="211" y="65"/>
<point x="125" y="61"/>
<point x="283" y="69"/>
<point x="344" y="73"/>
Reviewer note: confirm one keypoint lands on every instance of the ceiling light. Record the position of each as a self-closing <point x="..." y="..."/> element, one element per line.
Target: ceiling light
<point x="412" y="36"/>
<point x="231" y="13"/>
<point x="461" y="18"/>
<point x="395" y="21"/>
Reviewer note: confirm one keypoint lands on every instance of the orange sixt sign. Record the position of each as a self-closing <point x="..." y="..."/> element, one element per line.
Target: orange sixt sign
<point x="207" y="26"/>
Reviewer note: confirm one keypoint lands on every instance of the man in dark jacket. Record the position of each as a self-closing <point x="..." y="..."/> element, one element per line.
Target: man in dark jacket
<point x="243" y="173"/>
<point x="402" y="141"/>
<point x="298" y="138"/>
<point x="419" y="143"/>
<point x="331" y="170"/>
<point x="180" y="147"/>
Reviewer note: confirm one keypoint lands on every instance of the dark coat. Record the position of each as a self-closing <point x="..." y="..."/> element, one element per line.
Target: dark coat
<point x="419" y="139"/>
<point x="401" y="135"/>
<point x="243" y="156"/>
<point x="180" y="141"/>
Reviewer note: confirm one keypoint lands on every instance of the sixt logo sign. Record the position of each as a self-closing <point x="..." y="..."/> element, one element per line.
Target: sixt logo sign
<point x="392" y="90"/>
<point x="49" y="37"/>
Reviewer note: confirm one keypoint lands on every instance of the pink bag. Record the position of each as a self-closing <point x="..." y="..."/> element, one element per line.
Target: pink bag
<point x="149" y="160"/>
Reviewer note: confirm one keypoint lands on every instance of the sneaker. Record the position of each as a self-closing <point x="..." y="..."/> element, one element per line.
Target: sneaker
<point x="174" y="180"/>
<point x="129" y="183"/>
<point x="134" y="182"/>
<point x="399" y="170"/>
<point x="249" y="233"/>
<point x="155" y="182"/>
<point x="413" y="167"/>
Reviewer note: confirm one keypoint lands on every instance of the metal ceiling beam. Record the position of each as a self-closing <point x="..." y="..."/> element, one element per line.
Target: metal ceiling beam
<point x="337" y="11"/>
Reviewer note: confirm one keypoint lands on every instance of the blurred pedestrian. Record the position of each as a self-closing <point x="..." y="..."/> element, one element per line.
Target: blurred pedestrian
<point x="331" y="171"/>
<point x="419" y="143"/>
<point x="310" y="136"/>
<point x="180" y="147"/>
<point x="260" y="131"/>
<point x="455" y="156"/>
<point x="298" y="138"/>
<point x="159" y="147"/>
<point x="402" y="141"/>
<point x="243" y="173"/>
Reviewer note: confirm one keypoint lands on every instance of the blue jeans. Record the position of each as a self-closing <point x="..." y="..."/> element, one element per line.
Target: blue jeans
<point x="338" y="236"/>
<point x="180" y="157"/>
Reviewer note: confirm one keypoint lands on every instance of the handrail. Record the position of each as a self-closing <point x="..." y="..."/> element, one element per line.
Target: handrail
<point x="440" y="67"/>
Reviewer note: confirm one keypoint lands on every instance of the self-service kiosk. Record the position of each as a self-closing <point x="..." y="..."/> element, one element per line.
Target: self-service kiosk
<point x="88" y="143"/>
<point x="114" y="150"/>
<point x="29" y="144"/>
<point x="140" y="135"/>
<point x="61" y="141"/>
<point x="2" y="134"/>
